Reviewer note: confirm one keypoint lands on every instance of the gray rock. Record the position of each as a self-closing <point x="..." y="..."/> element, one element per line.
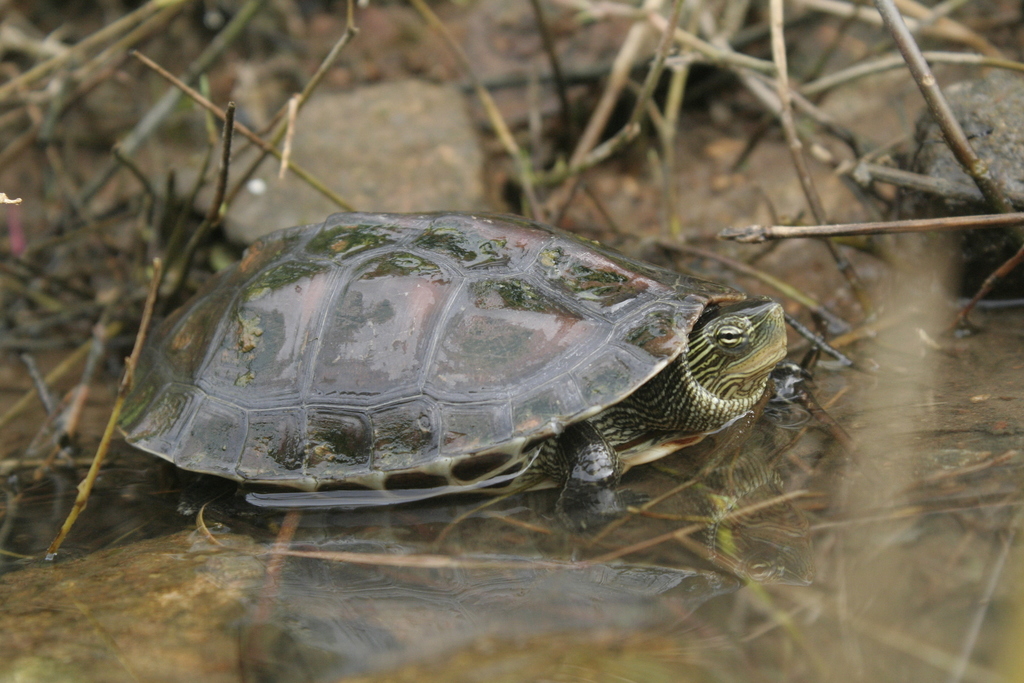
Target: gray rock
<point x="401" y="146"/>
<point x="991" y="112"/>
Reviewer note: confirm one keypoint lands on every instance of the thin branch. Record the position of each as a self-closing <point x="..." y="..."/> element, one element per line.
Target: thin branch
<point x="85" y="488"/>
<point x="949" y="30"/>
<point x="990" y="282"/>
<point x="955" y="190"/>
<point x="493" y="113"/>
<point x="65" y="367"/>
<point x="786" y="113"/>
<point x="983" y="605"/>
<point x="759" y="233"/>
<point x="584" y="157"/>
<point x="624" y="59"/>
<point x="163" y="108"/>
<point x="43" y="69"/>
<point x="556" y="67"/>
<point x="215" y="213"/>
<point x="796" y="149"/>
<point x="955" y="137"/>
<point x="775" y="283"/>
<point x="895" y="61"/>
<point x="350" y="32"/>
<point x="308" y="177"/>
<point x="720" y="56"/>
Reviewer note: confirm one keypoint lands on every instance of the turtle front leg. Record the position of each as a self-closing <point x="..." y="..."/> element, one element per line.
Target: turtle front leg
<point x="589" y="470"/>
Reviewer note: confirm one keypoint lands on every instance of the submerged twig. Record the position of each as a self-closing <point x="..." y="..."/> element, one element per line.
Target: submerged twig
<point x="982" y="606"/>
<point x="694" y="528"/>
<point x="819" y="342"/>
<point x="1002" y="271"/>
<point x="272" y="576"/>
<point x="45" y="395"/>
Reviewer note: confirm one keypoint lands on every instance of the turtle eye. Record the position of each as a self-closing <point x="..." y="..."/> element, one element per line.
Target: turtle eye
<point x="730" y="336"/>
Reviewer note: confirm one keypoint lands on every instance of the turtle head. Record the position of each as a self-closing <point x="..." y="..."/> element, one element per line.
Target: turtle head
<point x="733" y="348"/>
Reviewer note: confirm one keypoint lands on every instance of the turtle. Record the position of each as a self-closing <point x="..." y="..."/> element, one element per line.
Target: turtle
<point x="378" y="358"/>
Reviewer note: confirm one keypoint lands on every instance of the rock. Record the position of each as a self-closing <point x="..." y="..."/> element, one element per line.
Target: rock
<point x="163" y="609"/>
<point x="991" y="112"/>
<point x="401" y="146"/>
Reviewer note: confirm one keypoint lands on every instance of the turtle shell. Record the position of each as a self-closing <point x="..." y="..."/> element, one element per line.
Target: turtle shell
<point x="389" y="351"/>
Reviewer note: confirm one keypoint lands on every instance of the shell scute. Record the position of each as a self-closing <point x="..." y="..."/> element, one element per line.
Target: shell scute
<point x="263" y="354"/>
<point x="214" y="439"/>
<point x="659" y="330"/>
<point x="481" y="241"/>
<point x="273" y="445"/>
<point x="162" y="413"/>
<point x="468" y="249"/>
<point x="278" y="277"/>
<point x="405" y="435"/>
<point x="339" y="443"/>
<point x="608" y="376"/>
<point x="267" y="250"/>
<point x="486" y="352"/>
<point x="558" y="400"/>
<point x="590" y="277"/>
<point x="342" y="241"/>
<point x="467" y="428"/>
<point x="378" y="331"/>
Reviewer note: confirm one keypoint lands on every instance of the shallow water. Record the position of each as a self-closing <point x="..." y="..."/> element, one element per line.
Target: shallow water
<point x="908" y="537"/>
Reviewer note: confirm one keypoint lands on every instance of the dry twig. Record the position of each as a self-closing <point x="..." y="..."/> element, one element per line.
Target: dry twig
<point x="85" y="487"/>
<point x="308" y="177"/>
<point x="761" y="233"/>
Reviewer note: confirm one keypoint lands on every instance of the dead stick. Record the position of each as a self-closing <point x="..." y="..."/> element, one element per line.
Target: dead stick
<point x="163" y="108"/>
<point x="243" y="130"/>
<point x="43" y="69"/>
<point x="307" y="92"/>
<point x="796" y="150"/>
<point x="761" y="233"/>
<point x="501" y="128"/>
<point x="85" y="488"/>
<point x="57" y="373"/>
<point x="215" y="213"/>
<point x="990" y="282"/>
<point x="779" y="285"/>
<point x="955" y="137"/>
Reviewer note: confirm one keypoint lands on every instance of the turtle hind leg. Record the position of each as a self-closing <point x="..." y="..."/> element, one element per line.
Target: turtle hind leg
<point x="589" y="469"/>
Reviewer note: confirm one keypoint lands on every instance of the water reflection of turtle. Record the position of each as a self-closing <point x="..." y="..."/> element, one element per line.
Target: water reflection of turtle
<point x="396" y="357"/>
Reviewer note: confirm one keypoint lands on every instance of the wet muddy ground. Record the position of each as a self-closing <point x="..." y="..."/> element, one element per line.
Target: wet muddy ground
<point x="779" y="552"/>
